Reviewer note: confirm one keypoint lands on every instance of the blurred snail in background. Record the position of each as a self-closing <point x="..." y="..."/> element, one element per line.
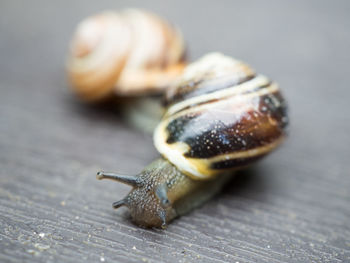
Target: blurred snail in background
<point x="127" y="53"/>
<point x="221" y="116"/>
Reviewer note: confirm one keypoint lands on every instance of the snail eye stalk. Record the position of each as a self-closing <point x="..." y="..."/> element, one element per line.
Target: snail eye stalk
<point x="118" y="204"/>
<point x="132" y="180"/>
<point x="161" y="193"/>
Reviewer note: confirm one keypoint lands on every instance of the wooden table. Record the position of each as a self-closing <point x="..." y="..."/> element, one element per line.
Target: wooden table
<point x="292" y="207"/>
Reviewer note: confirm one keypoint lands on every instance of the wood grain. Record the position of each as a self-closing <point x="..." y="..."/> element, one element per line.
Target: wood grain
<point x="292" y="207"/>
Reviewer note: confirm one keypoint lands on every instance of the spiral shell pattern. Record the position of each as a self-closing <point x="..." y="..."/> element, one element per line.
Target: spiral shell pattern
<point x="130" y="52"/>
<point x="221" y="116"/>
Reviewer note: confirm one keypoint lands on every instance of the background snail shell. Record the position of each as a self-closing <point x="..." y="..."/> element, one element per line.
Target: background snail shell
<point x="130" y="52"/>
<point x="221" y="116"/>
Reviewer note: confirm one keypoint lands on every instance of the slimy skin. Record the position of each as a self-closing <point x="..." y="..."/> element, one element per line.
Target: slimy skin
<point x="161" y="193"/>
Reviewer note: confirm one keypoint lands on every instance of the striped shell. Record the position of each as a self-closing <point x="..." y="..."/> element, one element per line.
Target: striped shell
<point x="130" y="52"/>
<point x="221" y="116"/>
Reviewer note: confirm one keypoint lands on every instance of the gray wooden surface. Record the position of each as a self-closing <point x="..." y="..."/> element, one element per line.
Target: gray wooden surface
<point x="292" y="207"/>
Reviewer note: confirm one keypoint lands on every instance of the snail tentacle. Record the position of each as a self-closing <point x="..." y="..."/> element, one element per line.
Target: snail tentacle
<point x="118" y="204"/>
<point x="126" y="179"/>
<point x="161" y="193"/>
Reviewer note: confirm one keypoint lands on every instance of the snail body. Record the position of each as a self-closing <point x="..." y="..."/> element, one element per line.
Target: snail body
<point x="161" y="192"/>
<point x="221" y="116"/>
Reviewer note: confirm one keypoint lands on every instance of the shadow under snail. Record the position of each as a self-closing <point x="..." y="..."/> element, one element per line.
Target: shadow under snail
<point x="221" y="116"/>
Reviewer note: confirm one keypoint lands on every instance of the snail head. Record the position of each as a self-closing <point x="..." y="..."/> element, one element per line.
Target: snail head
<point x="148" y="202"/>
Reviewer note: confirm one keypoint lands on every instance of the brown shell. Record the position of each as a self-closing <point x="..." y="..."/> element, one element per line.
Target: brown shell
<point x="131" y="52"/>
<point x="220" y="116"/>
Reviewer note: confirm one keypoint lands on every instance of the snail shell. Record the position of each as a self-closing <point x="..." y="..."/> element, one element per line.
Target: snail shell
<point x="221" y="116"/>
<point x="130" y="52"/>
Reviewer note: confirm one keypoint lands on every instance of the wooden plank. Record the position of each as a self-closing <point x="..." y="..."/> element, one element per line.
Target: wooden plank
<point x="292" y="207"/>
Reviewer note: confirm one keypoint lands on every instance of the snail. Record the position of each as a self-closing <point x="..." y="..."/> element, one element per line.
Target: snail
<point x="126" y="53"/>
<point x="221" y="116"/>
